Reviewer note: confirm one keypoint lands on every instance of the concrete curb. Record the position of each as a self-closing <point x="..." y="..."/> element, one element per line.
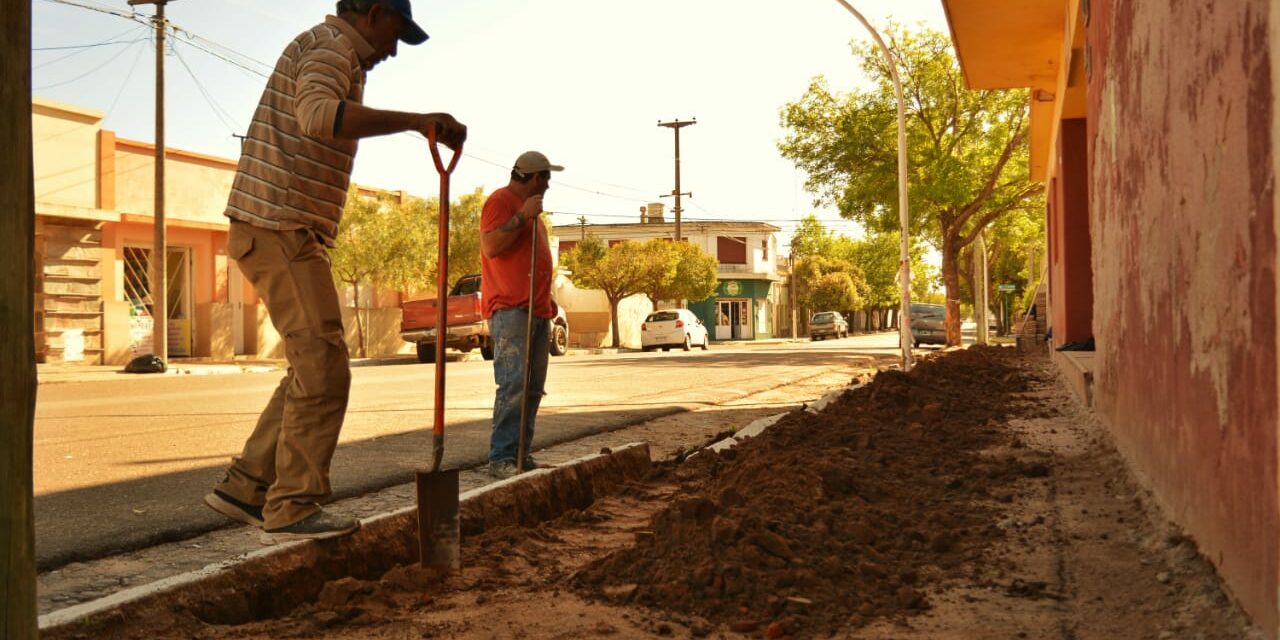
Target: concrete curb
<point x="275" y="580"/>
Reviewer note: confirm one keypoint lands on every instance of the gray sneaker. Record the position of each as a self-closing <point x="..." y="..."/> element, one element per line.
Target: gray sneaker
<point x="320" y="525"/>
<point x="230" y="507"/>
<point x="503" y="469"/>
<point x="530" y="464"/>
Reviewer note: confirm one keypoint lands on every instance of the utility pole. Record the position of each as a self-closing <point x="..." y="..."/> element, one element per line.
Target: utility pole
<point x="582" y="222"/>
<point x="980" y="287"/>
<point x="676" y="126"/>
<point x="18" y="616"/>
<point x="159" y="250"/>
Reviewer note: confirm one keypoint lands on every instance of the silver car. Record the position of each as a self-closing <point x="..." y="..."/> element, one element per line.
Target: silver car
<point x="828" y="324"/>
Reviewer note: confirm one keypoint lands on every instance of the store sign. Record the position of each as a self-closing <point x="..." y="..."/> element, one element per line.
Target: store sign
<point x="732" y="288"/>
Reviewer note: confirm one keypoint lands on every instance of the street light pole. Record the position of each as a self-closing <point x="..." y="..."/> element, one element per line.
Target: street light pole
<point x="904" y="257"/>
<point x="160" y="249"/>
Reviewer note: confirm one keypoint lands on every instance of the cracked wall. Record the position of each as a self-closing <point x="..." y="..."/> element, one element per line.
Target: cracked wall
<point x="1184" y="256"/>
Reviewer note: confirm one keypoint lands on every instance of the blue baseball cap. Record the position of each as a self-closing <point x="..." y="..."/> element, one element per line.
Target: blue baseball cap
<point x="411" y="33"/>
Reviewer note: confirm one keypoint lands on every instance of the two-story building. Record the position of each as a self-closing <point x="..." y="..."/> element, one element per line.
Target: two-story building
<point x="94" y="237"/>
<point x="749" y="302"/>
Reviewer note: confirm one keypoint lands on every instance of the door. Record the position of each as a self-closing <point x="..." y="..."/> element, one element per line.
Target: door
<point x="724" y="326"/>
<point x="181" y="309"/>
<point x="742" y="320"/>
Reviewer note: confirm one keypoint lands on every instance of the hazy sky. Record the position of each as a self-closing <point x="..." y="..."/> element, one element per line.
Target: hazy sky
<point x="584" y="81"/>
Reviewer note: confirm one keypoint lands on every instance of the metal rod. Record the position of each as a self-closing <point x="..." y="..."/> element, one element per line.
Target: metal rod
<point x="904" y="257"/>
<point x="528" y="346"/>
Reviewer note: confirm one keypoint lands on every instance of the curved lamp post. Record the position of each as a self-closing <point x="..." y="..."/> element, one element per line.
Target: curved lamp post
<point x="904" y="265"/>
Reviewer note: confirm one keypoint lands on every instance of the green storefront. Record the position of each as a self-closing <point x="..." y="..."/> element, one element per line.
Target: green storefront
<point x="739" y="310"/>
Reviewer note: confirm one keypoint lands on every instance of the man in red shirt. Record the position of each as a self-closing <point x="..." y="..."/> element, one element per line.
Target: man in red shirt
<point x="508" y="225"/>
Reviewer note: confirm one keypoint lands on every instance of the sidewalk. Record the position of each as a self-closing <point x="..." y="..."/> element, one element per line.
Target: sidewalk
<point x="63" y="372"/>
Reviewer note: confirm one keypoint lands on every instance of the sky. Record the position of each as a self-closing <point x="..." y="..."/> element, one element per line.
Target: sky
<point x="583" y="81"/>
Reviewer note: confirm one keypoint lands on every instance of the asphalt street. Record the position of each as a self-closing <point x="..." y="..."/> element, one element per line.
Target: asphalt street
<point x="123" y="464"/>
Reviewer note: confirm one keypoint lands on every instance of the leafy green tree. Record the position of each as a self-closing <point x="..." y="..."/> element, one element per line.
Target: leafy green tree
<point x="835" y="291"/>
<point x="967" y="150"/>
<point x="821" y="283"/>
<point x="380" y="243"/>
<point x="619" y="271"/>
<point x="678" y="271"/>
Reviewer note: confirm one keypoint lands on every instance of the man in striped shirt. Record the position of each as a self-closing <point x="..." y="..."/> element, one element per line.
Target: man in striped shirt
<point x="285" y="205"/>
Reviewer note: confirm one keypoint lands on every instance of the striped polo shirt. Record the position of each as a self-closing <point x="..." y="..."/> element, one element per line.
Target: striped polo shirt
<point x="293" y="172"/>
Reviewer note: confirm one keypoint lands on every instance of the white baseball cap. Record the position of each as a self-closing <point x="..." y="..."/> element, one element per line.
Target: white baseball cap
<point x="533" y="162"/>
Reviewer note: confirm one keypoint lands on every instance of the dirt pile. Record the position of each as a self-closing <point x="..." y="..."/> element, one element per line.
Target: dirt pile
<point x="826" y="522"/>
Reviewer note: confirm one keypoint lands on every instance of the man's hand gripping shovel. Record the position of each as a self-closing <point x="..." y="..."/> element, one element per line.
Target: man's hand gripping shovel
<point x="439" y="534"/>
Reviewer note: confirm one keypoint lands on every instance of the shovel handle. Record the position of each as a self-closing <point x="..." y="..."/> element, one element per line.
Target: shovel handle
<point x="442" y="298"/>
<point x="435" y="153"/>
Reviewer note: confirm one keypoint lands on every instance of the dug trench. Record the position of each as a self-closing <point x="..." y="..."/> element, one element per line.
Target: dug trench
<point x="950" y="502"/>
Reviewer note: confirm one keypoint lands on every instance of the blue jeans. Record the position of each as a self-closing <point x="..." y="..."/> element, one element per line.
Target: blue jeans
<point x="507" y="329"/>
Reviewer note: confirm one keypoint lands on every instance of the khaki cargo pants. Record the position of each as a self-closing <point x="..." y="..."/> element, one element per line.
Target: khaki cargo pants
<point x="285" y="462"/>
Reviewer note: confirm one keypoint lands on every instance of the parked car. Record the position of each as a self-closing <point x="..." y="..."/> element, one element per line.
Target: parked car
<point x="673" y="328"/>
<point x="467" y="328"/>
<point x="828" y="323"/>
<point x="927" y="324"/>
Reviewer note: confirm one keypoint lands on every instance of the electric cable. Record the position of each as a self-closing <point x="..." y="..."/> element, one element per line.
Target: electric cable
<point x="217" y="109"/>
<point x="85" y="74"/>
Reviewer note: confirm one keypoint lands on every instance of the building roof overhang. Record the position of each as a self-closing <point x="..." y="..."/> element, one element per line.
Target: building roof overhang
<point x="1029" y="44"/>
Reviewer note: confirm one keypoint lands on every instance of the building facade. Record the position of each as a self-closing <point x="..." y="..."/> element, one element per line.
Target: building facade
<point x="94" y="239"/>
<point x="750" y="301"/>
<point x="1154" y="129"/>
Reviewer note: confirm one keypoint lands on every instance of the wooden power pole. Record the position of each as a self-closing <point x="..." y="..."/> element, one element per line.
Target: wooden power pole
<point x="17" y="328"/>
<point x="676" y="126"/>
<point x="160" y="248"/>
<point x="582" y="223"/>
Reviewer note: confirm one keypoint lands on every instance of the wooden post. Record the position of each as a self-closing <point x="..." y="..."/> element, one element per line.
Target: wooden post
<point x="17" y="327"/>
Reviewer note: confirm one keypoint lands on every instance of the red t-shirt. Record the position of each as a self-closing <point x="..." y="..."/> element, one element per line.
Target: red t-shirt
<point x="504" y="279"/>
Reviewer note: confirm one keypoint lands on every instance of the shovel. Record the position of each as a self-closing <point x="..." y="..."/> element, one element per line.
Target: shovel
<point x="521" y="445"/>
<point x="439" y="537"/>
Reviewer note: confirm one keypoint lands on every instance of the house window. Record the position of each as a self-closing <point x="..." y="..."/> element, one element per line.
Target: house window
<point x="731" y="249"/>
<point x="764" y="249"/>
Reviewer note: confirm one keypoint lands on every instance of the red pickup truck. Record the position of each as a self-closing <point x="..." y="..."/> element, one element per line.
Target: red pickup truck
<point x="466" y="327"/>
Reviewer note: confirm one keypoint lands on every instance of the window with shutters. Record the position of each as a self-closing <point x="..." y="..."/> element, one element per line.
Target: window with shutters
<point x="731" y="249"/>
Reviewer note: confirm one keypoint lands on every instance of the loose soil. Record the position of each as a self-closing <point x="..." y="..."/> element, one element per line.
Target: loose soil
<point x="971" y="498"/>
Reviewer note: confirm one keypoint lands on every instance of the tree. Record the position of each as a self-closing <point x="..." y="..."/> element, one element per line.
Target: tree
<point x="967" y="150"/>
<point x="811" y="238"/>
<point x="835" y="291"/>
<point x="618" y="271"/>
<point x="677" y="271"/>
<point x="17" y="317"/>
<point x="381" y="242"/>
<point x="464" y="235"/>
<point x="877" y="255"/>
<point x="829" y="284"/>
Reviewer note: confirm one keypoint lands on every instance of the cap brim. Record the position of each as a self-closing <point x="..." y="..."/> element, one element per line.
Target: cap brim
<point x="555" y="167"/>
<point x="411" y="33"/>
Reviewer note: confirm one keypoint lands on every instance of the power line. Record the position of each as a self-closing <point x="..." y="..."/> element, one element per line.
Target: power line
<point x="128" y="15"/>
<point x="84" y="46"/>
<point x="217" y="109"/>
<point x="87" y="73"/>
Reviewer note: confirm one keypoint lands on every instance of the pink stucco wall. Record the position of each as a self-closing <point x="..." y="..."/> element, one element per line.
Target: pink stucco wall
<point x="1184" y="255"/>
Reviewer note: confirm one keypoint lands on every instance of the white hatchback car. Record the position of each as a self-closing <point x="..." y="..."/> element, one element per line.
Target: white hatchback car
<point x="672" y="328"/>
